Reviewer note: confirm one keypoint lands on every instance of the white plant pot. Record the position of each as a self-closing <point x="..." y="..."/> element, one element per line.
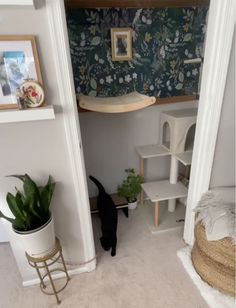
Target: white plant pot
<point x="132" y="205"/>
<point x="39" y="242"/>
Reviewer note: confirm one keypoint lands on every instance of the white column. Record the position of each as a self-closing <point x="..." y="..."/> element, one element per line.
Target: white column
<point x="174" y="167"/>
<point x="220" y="29"/>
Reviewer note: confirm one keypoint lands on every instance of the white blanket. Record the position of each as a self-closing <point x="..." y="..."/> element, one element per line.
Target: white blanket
<point x="216" y="211"/>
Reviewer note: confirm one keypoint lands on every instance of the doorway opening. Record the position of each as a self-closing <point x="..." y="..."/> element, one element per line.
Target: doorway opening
<point x="109" y="140"/>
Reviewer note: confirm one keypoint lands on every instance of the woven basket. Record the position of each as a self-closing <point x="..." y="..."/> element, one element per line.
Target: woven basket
<point x="214" y="261"/>
<point x="222" y="251"/>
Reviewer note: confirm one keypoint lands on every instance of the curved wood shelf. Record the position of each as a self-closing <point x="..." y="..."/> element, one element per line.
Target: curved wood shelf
<point x="124" y="103"/>
<point x="159" y="101"/>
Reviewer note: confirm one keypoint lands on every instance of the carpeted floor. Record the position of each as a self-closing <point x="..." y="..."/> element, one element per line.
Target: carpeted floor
<point x="145" y="273"/>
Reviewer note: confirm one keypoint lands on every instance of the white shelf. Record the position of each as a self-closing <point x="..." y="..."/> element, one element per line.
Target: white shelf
<point x="152" y="150"/>
<point x="164" y="190"/>
<point x="185" y="157"/>
<point x="30" y="114"/>
<point x="17" y="2"/>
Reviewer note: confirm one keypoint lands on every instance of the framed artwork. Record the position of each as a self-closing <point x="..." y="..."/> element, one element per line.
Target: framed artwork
<point x="121" y="44"/>
<point x="18" y="62"/>
<point x="33" y="93"/>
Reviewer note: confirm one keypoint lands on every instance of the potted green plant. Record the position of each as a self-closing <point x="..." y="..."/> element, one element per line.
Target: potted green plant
<point x="32" y="222"/>
<point x="131" y="187"/>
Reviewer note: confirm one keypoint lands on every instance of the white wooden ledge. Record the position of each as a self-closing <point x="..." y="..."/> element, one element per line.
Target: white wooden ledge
<point x="30" y="114"/>
<point x="17" y="2"/>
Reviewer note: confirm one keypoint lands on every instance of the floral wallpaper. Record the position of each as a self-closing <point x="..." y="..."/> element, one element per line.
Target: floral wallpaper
<point x="162" y="38"/>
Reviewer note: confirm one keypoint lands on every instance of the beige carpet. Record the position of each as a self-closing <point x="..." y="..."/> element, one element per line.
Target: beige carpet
<point x="145" y="273"/>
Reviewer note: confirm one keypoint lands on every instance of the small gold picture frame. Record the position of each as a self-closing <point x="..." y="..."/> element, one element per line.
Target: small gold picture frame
<point x="18" y="62"/>
<point x="121" y="44"/>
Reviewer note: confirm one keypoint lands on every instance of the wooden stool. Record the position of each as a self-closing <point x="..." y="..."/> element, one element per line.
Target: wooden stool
<point x="47" y="261"/>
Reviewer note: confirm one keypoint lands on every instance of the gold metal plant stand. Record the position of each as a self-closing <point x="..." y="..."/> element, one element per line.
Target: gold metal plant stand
<point x="47" y="261"/>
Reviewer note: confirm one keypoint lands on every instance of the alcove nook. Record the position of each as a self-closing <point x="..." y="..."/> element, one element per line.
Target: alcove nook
<point x="166" y="135"/>
<point x="190" y="138"/>
<point x="164" y="34"/>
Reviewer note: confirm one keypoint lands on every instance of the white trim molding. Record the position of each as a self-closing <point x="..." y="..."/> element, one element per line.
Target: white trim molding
<point x="61" y="51"/>
<point x="220" y="29"/>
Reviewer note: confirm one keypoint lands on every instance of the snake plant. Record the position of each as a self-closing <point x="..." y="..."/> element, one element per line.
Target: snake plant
<point x="30" y="207"/>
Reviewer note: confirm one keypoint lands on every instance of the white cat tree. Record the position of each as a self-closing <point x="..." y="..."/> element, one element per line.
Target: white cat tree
<point x="178" y="124"/>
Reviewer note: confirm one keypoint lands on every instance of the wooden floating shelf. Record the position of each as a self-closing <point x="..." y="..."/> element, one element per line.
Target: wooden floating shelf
<point x="164" y="190"/>
<point x="160" y="101"/>
<point x="124" y="103"/>
<point x="152" y="150"/>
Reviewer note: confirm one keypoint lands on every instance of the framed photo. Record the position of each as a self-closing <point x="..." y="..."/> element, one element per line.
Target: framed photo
<point x="18" y="62"/>
<point x="121" y="44"/>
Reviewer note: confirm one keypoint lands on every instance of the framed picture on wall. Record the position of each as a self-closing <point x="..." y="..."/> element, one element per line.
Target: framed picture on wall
<point x="18" y="62"/>
<point x="121" y="44"/>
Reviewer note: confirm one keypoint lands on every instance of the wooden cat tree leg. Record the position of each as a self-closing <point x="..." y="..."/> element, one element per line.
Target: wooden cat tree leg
<point x="141" y="174"/>
<point x="156" y="214"/>
<point x="187" y="171"/>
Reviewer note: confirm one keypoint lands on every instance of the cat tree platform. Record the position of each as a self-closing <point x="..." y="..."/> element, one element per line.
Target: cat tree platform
<point x="124" y="103"/>
<point x="152" y="150"/>
<point x="163" y="190"/>
<point x="185" y="157"/>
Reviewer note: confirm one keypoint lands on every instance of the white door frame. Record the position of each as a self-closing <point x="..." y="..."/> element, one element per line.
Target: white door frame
<point x="61" y="51"/>
<point x="219" y="36"/>
<point x="217" y="52"/>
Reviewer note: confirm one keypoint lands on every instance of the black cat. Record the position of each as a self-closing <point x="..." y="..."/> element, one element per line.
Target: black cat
<point x="108" y="214"/>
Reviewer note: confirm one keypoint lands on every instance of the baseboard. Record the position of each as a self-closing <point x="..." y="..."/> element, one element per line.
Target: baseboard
<point x="83" y="269"/>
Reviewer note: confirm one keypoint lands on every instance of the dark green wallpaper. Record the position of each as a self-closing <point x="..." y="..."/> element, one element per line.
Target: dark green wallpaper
<point x="162" y="38"/>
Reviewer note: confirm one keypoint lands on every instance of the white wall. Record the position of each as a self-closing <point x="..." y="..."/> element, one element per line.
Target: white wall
<point x="223" y="170"/>
<point x="109" y="142"/>
<point x="39" y="148"/>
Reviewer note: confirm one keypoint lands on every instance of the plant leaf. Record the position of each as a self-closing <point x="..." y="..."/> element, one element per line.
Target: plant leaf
<point x="7" y="218"/>
<point x="17" y="224"/>
<point x="15" y="207"/>
<point x="93" y="93"/>
<point x="93" y="83"/>
<point x="22" y="197"/>
<point x="181" y="77"/>
<point x="96" y="41"/>
<point x="187" y="37"/>
<point x="32" y="195"/>
<point x="179" y="86"/>
<point x="46" y="195"/>
<point x="30" y="188"/>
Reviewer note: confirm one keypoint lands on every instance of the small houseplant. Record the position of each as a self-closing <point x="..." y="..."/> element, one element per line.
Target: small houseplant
<point x="131" y="187"/>
<point x="32" y="222"/>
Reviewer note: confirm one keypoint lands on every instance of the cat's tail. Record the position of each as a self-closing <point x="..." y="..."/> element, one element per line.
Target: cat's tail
<point x="99" y="185"/>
